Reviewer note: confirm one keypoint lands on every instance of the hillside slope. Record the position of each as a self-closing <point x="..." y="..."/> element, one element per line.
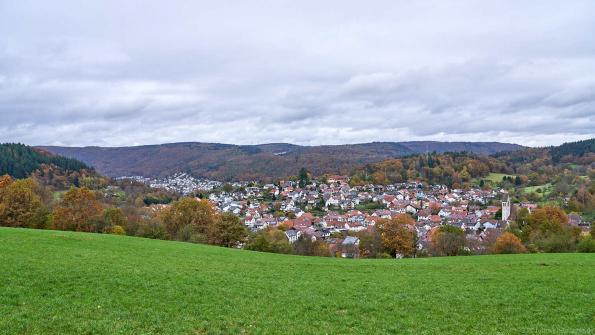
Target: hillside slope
<point x="19" y="160"/>
<point x="261" y="162"/>
<point x="72" y="283"/>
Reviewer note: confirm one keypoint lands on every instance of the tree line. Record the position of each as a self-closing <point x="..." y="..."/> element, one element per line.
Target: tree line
<point x="451" y="169"/>
<point x="19" y="160"/>
<point x="27" y="204"/>
<point x="24" y="203"/>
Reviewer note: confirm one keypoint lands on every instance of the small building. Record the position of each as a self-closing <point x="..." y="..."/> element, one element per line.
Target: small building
<point x="293" y="235"/>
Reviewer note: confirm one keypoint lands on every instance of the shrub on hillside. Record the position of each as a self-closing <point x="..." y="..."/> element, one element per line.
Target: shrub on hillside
<point x="586" y="244"/>
<point x="113" y="217"/>
<point x="370" y="244"/>
<point x="118" y="230"/>
<point x="448" y="240"/>
<point x="306" y="247"/>
<point x="189" y="234"/>
<point x="149" y="229"/>
<point x="270" y="240"/>
<point x="548" y="230"/>
<point x="508" y="243"/>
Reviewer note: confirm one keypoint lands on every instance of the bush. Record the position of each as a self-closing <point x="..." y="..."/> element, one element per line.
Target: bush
<point x="118" y="230"/>
<point x="383" y="255"/>
<point x="586" y="244"/>
<point x="151" y="229"/>
<point x="113" y="217"/>
<point x="508" y="243"/>
<point x="270" y="240"/>
<point x="448" y="240"/>
<point x="563" y="240"/>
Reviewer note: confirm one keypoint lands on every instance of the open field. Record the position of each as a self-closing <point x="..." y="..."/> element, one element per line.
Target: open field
<point x="546" y="189"/>
<point x="497" y="177"/>
<point x="63" y="282"/>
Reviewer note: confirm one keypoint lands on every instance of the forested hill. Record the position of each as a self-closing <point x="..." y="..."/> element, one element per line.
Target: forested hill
<point x="573" y="150"/>
<point x="580" y="152"/>
<point x="20" y="161"/>
<point x="533" y="166"/>
<point x="452" y="169"/>
<point x="256" y="162"/>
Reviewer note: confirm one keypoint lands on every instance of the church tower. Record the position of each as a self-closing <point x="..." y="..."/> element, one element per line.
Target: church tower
<point x="506" y="209"/>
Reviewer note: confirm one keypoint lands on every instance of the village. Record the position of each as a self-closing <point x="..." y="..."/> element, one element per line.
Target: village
<point x="335" y="212"/>
<point x="332" y="211"/>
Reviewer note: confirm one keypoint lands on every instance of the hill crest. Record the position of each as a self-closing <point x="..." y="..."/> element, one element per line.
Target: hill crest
<point x="269" y="161"/>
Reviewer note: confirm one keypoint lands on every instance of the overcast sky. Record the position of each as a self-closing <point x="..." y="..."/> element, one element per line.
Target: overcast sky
<point x="115" y="73"/>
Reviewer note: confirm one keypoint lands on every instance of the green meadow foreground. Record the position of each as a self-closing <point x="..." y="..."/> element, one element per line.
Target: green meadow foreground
<point x="55" y="282"/>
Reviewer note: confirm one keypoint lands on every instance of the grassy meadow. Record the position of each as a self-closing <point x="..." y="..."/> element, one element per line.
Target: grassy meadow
<point x="55" y="282"/>
<point x="497" y="177"/>
<point x="545" y="189"/>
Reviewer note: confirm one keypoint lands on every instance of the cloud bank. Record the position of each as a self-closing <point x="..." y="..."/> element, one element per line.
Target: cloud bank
<point x="117" y="73"/>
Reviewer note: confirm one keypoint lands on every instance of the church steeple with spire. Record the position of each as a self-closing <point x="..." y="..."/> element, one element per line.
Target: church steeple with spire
<point x="506" y="209"/>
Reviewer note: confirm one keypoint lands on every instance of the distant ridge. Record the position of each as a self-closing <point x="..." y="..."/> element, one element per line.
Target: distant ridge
<point x="270" y="161"/>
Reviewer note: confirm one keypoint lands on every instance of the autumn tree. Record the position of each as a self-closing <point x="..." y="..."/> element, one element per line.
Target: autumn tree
<point x="320" y="248"/>
<point x="448" y="240"/>
<point x="379" y="178"/>
<point x="517" y="227"/>
<point x="112" y="218"/>
<point x="5" y="180"/>
<point x="79" y="210"/>
<point x="548" y="230"/>
<point x="370" y="244"/>
<point x="508" y="243"/>
<point x="20" y="205"/>
<point x="270" y="240"/>
<point x="227" y="230"/>
<point x="303" y="246"/>
<point x="398" y="235"/>
<point x="188" y="219"/>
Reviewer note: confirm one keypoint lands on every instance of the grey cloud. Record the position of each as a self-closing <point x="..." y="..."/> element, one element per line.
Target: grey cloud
<point x="105" y="73"/>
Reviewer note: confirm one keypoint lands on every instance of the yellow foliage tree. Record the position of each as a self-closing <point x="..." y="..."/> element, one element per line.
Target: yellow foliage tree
<point x="19" y="202"/>
<point x="188" y="219"/>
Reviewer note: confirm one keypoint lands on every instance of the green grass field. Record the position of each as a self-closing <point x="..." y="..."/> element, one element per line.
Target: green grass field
<point x="546" y="189"/>
<point x="54" y="282"/>
<point x="497" y="177"/>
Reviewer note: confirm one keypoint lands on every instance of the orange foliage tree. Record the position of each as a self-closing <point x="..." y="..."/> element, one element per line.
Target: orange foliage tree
<point x="5" y="180"/>
<point x="78" y="211"/>
<point x="508" y="243"/>
<point x="398" y="235"/>
<point x="549" y="231"/>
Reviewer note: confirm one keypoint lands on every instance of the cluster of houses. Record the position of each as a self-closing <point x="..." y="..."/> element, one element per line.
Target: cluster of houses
<point x="182" y="183"/>
<point x="325" y="211"/>
<point x="333" y="211"/>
